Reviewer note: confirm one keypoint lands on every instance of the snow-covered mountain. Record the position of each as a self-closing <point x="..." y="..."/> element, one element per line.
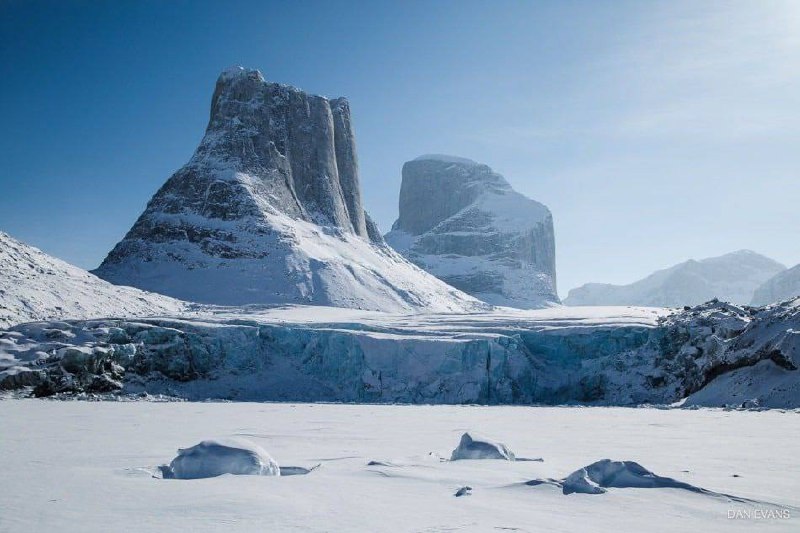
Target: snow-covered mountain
<point x="268" y="210"/>
<point x="36" y="286"/>
<point x="732" y="277"/>
<point x="782" y="286"/>
<point x="464" y="223"/>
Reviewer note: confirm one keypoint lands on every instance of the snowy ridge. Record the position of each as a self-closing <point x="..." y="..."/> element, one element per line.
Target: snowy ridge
<point x="782" y="286"/>
<point x="36" y="286"/>
<point x="732" y="277"/>
<point x="268" y="210"/>
<point x="464" y="223"/>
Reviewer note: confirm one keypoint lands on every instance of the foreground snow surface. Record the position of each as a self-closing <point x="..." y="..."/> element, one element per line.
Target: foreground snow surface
<point x="80" y="466"/>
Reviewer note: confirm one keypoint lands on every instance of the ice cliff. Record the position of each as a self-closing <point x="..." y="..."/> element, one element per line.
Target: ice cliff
<point x="269" y="210"/>
<point x="714" y="354"/>
<point x="464" y="223"/>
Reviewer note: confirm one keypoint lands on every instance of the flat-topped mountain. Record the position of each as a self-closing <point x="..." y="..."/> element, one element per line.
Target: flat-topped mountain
<point x="463" y="223"/>
<point x="268" y="210"/>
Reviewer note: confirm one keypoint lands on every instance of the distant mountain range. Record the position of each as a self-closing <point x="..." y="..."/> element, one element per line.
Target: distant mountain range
<point x="782" y="286"/>
<point x="732" y="277"/>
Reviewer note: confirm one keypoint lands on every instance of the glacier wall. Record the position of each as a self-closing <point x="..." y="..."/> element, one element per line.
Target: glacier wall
<point x="496" y="363"/>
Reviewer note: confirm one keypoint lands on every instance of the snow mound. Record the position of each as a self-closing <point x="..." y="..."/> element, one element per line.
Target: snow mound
<point x="604" y="474"/>
<point x="474" y="447"/>
<point x="35" y="286"/>
<point x="212" y="458"/>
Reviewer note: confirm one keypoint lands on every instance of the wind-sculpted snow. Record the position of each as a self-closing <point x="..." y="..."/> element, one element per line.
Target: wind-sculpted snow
<point x="474" y="447"/>
<point x="464" y="223"/>
<point x="36" y="286"/>
<point x="605" y="474"/>
<point x="212" y="458"/>
<point x="606" y="356"/>
<point x="269" y="210"/>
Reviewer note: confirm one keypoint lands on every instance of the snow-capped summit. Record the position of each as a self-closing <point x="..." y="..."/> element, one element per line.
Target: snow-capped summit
<point x="35" y="286"/>
<point x="782" y="286"/>
<point x="464" y="223"/>
<point x="731" y="277"/>
<point x="269" y="210"/>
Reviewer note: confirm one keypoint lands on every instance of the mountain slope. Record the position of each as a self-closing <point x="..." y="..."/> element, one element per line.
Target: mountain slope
<point x="782" y="286"/>
<point x="36" y="286"/>
<point x="268" y="210"/>
<point x="464" y="223"/>
<point x="732" y="277"/>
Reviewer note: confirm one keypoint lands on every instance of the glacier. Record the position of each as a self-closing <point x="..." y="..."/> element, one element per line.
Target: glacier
<point x="595" y="356"/>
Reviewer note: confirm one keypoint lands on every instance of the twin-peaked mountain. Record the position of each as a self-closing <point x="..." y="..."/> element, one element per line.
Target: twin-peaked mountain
<point x="268" y="210"/>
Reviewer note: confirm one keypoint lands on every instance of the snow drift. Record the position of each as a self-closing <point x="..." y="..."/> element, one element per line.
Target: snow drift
<point x="473" y="447"/>
<point x="212" y="458"/>
<point x="597" y="477"/>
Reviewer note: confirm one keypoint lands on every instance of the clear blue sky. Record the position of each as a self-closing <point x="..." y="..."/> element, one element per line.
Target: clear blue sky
<point x="654" y="131"/>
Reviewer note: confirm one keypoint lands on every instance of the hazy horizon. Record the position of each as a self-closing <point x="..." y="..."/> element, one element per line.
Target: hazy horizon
<point x="654" y="133"/>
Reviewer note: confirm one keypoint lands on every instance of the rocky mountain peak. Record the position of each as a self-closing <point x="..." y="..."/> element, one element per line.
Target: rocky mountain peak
<point x="464" y="223"/>
<point x="269" y="210"/>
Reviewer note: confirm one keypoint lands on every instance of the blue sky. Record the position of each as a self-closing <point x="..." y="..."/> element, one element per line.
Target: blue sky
<point x="654" y="131"/>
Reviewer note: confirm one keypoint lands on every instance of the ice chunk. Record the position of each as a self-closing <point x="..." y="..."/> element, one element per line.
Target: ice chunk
<point x="597" y="477"/>
<point x="213" y="458"/>
<point x="464" y="491"/>
<point x="474" y="447"/>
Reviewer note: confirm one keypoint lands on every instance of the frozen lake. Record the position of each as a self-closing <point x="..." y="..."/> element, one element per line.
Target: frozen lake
<point x="85" y="466"/>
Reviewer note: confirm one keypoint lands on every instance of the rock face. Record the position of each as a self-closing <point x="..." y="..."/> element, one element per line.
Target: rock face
<point x="36" y="286"/>
<point x="268" y="210"/>
<point x="732" y="278"/>
<point x="781" y="286"/>
<point x="464" y="223"/>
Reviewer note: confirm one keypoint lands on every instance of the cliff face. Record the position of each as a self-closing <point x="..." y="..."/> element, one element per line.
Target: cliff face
<point x="464" y="223"/>
<point x="268" y="210"/>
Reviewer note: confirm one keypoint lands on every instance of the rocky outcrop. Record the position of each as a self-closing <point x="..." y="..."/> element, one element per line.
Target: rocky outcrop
<point x="782" y="286"/>
<point x="269" y="210"/>
<point x="464" y="223"/>
<point x="732" y="278"/>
